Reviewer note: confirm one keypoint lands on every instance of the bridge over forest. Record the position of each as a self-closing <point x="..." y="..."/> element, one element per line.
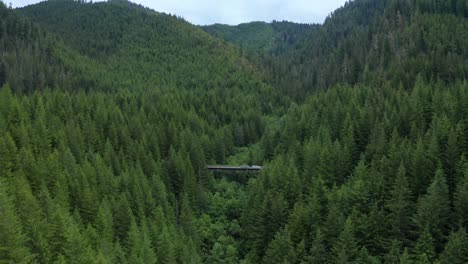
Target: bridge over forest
<point x="229" y="168"/>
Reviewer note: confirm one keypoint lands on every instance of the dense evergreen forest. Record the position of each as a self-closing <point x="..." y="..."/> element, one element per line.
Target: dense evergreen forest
<point x="259" y="37"/>
<point x="110" y="112"/>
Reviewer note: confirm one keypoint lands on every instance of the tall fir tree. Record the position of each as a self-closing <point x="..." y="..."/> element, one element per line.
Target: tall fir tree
<point x="433" y="212"/>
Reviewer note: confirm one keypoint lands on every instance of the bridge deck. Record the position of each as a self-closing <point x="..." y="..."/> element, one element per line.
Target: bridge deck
<point x="233" y="168"/>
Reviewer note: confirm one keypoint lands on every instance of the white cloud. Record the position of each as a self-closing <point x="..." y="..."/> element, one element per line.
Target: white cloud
<point x="204" y="12"/>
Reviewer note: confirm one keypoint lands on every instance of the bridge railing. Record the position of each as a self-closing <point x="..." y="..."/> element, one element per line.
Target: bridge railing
<point x="233" y="168"/>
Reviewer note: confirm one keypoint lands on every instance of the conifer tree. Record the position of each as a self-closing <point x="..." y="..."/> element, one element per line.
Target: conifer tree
<point x="460" y="204"/>
<point x="451" y="155"/>
<point x="190" y="254"/>
<point x="13" y="243"/>
<point x="76" y="249"/>
<point x="279" y="249"/>
<point x="123" y="217"/>
<point x="364" y="257"/>
<point x="334" y="223"/>
<point x="105" y="229"/>
<point x="456" y="249"/>
<point x="406" y="257"/>
<point x="33" y="222"/>
<point x="393" y="255"/>
<point x="424" y="251"/>
<point x="318" y="250"/>
<point x="186" y="217"/>
<point x="134" y="243"/>
<point x="433" y="210"/>
<point x="420" y="168"/>
<point x="345" y="248"/>
<point x="400" y="206"/>
<point x="165" y="249"/>
<point x="272" y="218"/>
<point x="8" y="155"/>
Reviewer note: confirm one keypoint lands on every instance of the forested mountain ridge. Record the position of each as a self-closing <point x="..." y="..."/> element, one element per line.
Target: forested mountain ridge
<point x="361" y="170"/>
<point x="33" y="59"/>
<point x="143" y="47"/>
<point x="378" y="41"/>
<point x="363" y="41"/>
<point x="167" y="100"/>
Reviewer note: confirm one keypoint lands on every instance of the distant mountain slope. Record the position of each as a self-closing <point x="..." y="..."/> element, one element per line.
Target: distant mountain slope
<point x="373" y="41"/>
<point x="31" y="58"/>
<point x="272" y="38"/>
<point x="141" y="47"/>
<point x="254" y="35"/>
<point x="364" y="41"/>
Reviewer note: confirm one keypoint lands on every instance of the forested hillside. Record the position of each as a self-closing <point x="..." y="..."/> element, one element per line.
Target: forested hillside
<point x="375" y="42"/>
<point x="140" y="47"/>
<point x="32" y="59"/>
<point x="110" y="112"/>
<point x="368" y="42"/>
<point x="265" y="38"/>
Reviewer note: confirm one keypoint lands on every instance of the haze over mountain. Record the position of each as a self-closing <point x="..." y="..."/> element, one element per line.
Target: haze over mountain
<point x="110" y="113"/>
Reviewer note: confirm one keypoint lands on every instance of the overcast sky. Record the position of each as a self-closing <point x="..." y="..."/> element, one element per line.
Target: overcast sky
<point x="203" y="12"/>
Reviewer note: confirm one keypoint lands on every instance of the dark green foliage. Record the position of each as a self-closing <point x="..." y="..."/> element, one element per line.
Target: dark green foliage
<point x="400" y="207"/>
<point x="13" y="242"/>
<point x="372" y="42"/>
<point x="460" y="198"/>
<point x="280" y="249"/>
<point x="269" y="38"/>
<point x="318" y="251"/>
<point x="110" y="112"/>
<point x="254" y="36"/>
<point x="33" y="59"/>
<point x="345" y="248"/>
<point x="405" y="257"/>
<point x="456" y="249"/>
<point x="434" y="209"/>
<point x="393" y="255"/>
<point x="138" y="47"/>
<point x="385" y="203"/>
<point x="424" y="251"/>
